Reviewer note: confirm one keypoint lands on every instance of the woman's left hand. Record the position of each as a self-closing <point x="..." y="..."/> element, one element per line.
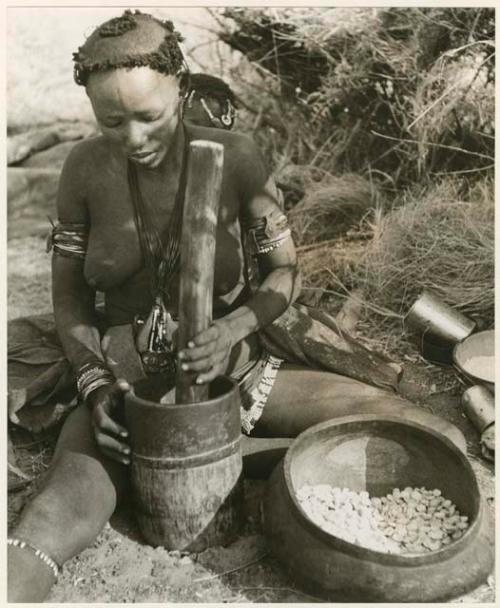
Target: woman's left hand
<point x="208" y="352"/>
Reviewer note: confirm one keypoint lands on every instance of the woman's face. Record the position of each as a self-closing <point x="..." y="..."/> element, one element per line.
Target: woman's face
<point x="138" y="110"/>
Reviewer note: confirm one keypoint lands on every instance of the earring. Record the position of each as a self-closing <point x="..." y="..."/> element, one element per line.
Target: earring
<point x="227" y="119"/>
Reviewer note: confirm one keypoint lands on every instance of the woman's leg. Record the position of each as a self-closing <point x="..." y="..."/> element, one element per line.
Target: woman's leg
<point x="302" y="397"/>
<point x="76" y="499"/>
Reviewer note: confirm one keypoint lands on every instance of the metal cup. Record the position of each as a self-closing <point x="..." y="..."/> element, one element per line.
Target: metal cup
<point x="437" y="320"/>
<point x="479" y="405"/>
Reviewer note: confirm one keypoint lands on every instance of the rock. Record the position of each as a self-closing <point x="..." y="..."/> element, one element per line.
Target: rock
<point x="52" y="158"/>
<point x="31" y="197"/>
<point x="25" y="144"/>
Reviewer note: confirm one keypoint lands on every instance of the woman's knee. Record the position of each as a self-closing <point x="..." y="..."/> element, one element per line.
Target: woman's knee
<point x="73" y="504"/>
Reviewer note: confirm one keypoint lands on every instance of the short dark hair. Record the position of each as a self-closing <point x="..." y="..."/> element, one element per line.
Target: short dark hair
<point x="131" y="40"/>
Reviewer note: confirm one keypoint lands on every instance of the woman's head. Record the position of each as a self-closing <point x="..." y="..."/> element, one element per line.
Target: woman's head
<point x="210" y="102"/>
<point x="131" y="67"/>
<point x="132" y="40"/>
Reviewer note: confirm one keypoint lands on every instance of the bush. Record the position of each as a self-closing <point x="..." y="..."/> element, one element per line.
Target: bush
<point x="397" y="94"/>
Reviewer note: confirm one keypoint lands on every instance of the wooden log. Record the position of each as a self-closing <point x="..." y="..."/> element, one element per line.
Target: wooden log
<point x="199" y="226"/>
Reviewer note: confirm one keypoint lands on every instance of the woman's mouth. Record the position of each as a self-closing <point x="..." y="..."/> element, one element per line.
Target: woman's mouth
<point x="142" y="158"/>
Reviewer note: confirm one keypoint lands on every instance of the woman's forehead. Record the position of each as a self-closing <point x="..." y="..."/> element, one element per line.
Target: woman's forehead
<point x="134" y="89"/>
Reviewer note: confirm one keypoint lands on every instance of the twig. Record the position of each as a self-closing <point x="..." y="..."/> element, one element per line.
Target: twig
<point x="381" y="311"/>
<point x="29" y="445"/>
<point x="242" y="567"/>
<point x="320" y="245"/>
<point x="429" y="143"/>
<point x="203" y="28"/>
<point x="321" y="148"/>
<point x="17" y="471"/>
<point x="452" y="52"/>
<point x="434" y="103"/>
<point x="464" y="170"/>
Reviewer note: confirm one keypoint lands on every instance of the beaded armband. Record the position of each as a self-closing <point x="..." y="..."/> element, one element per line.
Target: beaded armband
<point x="69" y="240"/>
<point x="267" y="233"/>
<point x="92" y="376"/>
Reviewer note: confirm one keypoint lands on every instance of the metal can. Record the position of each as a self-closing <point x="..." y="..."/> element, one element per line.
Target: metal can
<point x="437" y="320"/>
<point x="479" y="405"/>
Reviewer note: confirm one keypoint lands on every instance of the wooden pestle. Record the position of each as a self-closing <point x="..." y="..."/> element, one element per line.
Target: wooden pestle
<point x="199" y="228"/>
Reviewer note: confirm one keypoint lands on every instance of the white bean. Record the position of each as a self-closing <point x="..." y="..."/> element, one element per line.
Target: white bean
<point x="412" y="520"/>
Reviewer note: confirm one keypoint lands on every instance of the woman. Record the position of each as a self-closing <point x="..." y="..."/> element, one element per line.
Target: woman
<point x="118" y="208"/>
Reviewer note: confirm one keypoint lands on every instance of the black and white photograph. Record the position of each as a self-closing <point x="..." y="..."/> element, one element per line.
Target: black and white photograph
<point x="250" y="271"/>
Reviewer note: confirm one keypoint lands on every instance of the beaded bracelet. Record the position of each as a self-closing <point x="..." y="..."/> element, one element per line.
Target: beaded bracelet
<point x="92" y="376"/>
<point x="15" y="542"/>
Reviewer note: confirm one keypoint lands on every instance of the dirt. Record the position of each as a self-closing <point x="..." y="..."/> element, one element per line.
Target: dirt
<point x="119" y="567"/>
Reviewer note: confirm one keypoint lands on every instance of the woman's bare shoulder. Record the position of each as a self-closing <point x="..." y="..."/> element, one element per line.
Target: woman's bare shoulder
<point x="82" y="164"/>
<point x="86" y="156"/>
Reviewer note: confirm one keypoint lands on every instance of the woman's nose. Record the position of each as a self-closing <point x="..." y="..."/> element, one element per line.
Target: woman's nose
<point x="135" y="137"/>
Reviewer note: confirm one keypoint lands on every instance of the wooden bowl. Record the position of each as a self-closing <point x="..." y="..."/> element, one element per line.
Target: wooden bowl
<point x="376" y="454"/>
<point x="481" y="344"/>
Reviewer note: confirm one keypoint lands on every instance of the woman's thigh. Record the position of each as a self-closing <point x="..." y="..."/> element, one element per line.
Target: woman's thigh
<point x="302" y="397"/>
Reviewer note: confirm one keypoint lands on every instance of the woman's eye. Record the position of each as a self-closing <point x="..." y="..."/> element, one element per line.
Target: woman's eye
<point x="150" y="117"/>
<point x="111" y="124"/>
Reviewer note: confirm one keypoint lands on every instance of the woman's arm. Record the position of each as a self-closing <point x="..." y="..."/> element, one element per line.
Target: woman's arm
<point x="273" y="246"/>
<point x="280" y="282"/>
<point x="74" y="309"/>
<point x="73" y="299"/>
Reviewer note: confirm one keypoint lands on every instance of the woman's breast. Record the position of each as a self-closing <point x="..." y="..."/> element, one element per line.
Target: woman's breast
<point x="119" y="272"/>
<point x="113" y="255"/>
<point x="229" y="261"/>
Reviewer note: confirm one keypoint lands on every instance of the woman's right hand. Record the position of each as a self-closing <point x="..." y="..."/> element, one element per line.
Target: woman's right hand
<point x="106" y="402"/>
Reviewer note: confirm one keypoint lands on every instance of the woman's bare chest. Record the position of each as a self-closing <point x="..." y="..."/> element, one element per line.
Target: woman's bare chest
<point x="120" y="212"/>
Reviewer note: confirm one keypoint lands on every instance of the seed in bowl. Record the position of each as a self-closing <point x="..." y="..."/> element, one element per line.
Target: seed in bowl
<point x="411" y="521"/>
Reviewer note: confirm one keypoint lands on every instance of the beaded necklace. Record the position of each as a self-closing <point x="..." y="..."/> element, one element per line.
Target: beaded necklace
<point x="161" y="258"/>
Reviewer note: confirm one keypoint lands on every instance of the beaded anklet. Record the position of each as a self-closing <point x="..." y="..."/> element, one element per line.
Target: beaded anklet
<point x="15" y="542"/>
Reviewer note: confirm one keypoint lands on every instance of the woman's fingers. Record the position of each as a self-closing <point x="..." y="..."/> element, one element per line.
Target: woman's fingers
<point x="210" y="375"/>
<point x="105" y="423"/>
<point x="206" y="363"/>
<point x="113" y="448"/>
<point x="204" y="337"/>
<point x="106" y="429"/>
<point x="198" y="366"/>
<point x="198" y="352"/>
<point x="121" y="386"/>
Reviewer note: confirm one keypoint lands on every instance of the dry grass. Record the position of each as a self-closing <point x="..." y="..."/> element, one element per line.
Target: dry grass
<point x="330" y="207"/>
<point x="438" y="239"/>
<point x="396" y="93"/>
